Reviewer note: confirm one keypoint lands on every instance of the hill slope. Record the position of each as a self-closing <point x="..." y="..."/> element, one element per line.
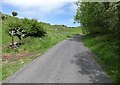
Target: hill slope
<point x="13" y="59"/>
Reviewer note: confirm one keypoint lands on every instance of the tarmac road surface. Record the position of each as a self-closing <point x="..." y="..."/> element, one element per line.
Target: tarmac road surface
<point x="67" y="62"/>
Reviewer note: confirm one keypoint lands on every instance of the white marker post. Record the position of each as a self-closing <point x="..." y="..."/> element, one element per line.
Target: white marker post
<point x="13" y="39"/>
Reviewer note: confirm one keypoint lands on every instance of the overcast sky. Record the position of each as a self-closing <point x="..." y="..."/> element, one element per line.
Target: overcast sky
<point x="50" y="11"/>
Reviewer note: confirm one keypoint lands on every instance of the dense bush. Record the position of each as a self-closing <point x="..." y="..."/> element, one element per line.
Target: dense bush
<point x="33" y="28"/>
<point x="3" y="16"/>
<point x="26" y="27"/>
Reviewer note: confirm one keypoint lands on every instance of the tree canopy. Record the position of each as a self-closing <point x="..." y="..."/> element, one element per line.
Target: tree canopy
<point x="14" y="13"/>
<point x="98" y="16"/>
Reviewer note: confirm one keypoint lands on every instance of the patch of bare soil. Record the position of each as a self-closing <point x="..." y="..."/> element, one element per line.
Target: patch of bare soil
<point x="12" y="57"/>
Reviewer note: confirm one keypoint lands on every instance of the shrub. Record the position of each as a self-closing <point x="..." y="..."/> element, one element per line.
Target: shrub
<point x="33" y="28"/>
<point x="3" y="17"/>
<point x="26" y="27"/>
<point x="14" y="13"/>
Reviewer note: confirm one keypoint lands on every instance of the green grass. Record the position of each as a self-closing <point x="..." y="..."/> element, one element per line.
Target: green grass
<point x="0" y="50"/>
<point x="11" y="67"/>
<point x="105" y="47"/>
<point x="38" y="45"/>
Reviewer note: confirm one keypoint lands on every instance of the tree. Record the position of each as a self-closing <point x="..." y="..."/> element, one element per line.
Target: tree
<point x="98" y="16"/>
<point x="14" y="13"/>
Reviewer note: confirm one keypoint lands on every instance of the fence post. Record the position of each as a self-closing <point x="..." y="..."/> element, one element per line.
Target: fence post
<point x="12" y="39"/>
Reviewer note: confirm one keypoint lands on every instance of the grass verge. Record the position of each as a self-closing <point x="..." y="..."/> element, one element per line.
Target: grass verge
<point x="105" y="46"/>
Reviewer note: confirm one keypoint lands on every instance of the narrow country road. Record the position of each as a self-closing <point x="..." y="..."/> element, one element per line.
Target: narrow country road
<point x="67" y="62"/>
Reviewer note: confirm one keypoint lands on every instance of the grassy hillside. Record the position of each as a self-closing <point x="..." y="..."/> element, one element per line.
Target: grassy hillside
<point x="14" y="59"/>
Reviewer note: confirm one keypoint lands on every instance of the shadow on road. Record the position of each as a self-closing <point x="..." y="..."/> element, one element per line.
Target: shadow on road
<point x="87" y="64"/>
<point x="76" y="37"/>
<point x="89" y="67"/>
